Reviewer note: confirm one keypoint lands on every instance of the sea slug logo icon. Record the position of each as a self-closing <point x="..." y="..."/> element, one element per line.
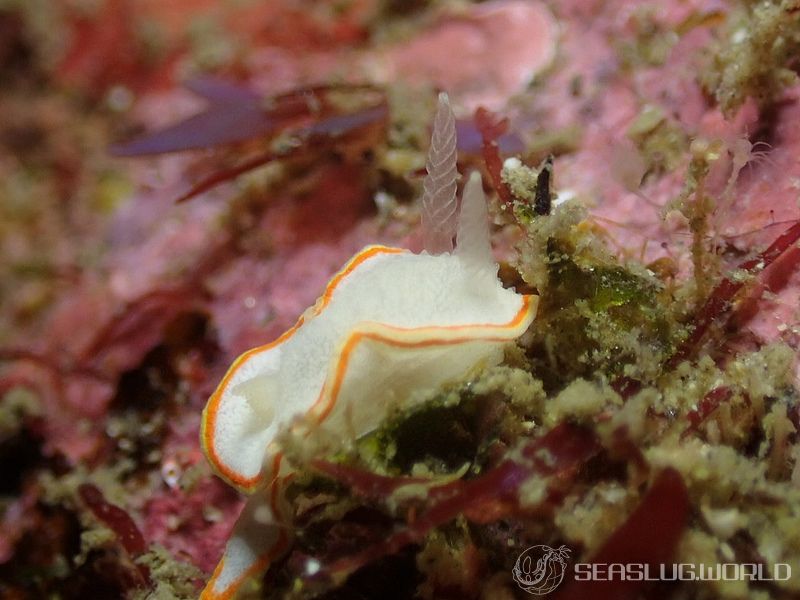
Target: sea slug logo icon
<point x="540" y="569"/>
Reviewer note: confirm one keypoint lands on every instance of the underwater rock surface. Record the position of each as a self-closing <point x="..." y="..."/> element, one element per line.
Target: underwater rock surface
<point x="121" y="310"/>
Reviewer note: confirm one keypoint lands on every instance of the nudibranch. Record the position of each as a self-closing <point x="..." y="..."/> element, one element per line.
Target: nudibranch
<point x="390" y="323"/>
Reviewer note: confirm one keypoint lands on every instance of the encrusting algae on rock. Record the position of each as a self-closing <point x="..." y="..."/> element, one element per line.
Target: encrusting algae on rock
<point x="647" y="415"/>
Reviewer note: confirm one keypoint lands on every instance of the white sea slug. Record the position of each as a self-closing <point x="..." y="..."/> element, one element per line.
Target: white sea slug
<point x="389" y="323"/>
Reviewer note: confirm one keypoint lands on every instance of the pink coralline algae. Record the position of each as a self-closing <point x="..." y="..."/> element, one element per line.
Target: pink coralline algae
<point x="481" y="55"/>
<point x="121" y="310"/>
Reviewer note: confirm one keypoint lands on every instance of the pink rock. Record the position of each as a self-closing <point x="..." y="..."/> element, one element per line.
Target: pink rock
<point x="482" y="56"/>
